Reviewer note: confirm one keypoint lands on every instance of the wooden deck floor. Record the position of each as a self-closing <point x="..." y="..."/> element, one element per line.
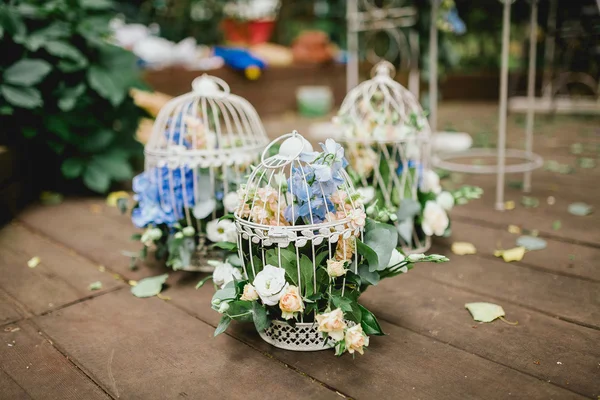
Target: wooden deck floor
<point x="59" y="340"/>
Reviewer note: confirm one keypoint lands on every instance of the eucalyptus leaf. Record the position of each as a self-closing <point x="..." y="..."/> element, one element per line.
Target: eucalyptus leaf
<point x="408" y="208"/>
<point x="383" y="239"/>
<point x="580" y="209"/>
<point x="371" y="277"/>
<point x="369" y="254"/>
<point x="149" y="287"/>
<point x="223" y="325"/>
<point x="531" y="242"/>
<point x="186" y="251"/>
<point x="485" y="312"/>
<point x="405" y="229"/>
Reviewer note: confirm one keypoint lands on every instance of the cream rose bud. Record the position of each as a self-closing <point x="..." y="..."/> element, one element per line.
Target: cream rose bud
<point x="270" y="284"/>
<point x="446" y="200"/>
<point x="332" y="323"/>
<point x="249" y="293"/>
<point x="431" y="182"/>
<point x="435" y="219"/>
<point x="367" y="194"/>
<point x="224" y="273"/>
<point x="396" y="258"/>
<point x="290" y="302"/>
<point x="231" y="201"/>
<point x="356" y="339"/>
<point x="335" y="268"/>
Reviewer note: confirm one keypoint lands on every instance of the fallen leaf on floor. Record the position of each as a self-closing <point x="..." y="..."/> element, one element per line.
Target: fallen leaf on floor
<point x="34" y="262"/>
<point x="95" y="285"/>
<point x="485" y="312"/>
<point x="533" y="232"/>
<point x="12" y="329"/>
<point x="515" y="184"/>
<point x="514" y="229"/>
<point x="132" y="282"/>
<point x="149" y="287"/>
<point x="163" y="297"/>
<point x="551" y="200"/>
<point x="580" y="209"/>
<point x="113" y="197"/>
<point x="531" y="243"/>
<point x="95" y="208"/>
<point x="530" y="202"/>
<point x="515" y="254"/>
<point x="509" y="205"/>
<point x="586" y="162"/>
<point x="51" y="198"/>
<point x="463" y="248"/>
<point x="537" y="362"/>
<point x="101" y="268"/>
<point x="576" y="148"/>
<point x="555" y="166"/>
<point x="556" y="225"/>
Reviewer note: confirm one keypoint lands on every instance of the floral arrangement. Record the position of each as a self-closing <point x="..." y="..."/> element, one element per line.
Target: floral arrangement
<point x="387" y="162"/>
<point x="306" y="252"/>
<point x="179" y="215"/>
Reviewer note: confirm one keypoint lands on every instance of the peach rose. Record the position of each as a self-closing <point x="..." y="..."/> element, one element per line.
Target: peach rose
<point x="290" y="302"/>
<point x="249" y="294"/>
<point x="356" y="339"/>
<point x="335" y="268"/>
<point x="332" y="323"/>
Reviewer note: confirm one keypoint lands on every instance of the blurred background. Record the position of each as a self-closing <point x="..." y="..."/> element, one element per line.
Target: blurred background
<point x="81" y="80"/>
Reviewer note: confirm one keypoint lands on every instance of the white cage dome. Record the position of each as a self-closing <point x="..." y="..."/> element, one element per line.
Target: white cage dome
<point x="386" y="137"/>
<point x="201" y="149"/>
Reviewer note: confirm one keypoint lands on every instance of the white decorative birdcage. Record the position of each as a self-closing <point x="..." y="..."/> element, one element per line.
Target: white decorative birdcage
<point x="200" y="151"/>
<point x="298" y="210"/>
<point x="386" y="137"/>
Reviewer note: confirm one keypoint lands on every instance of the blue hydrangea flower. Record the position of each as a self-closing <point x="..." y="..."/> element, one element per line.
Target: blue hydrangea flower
<point x="160" y="196"/>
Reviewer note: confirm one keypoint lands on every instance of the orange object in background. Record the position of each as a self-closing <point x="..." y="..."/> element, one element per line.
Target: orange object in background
<point x="313" y="47"/>
<point x="247" y="33"/>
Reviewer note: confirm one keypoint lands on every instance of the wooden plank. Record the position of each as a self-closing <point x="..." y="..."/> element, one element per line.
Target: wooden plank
<point x="559" y="257"/>
<point x="39" y="369"/>
<point x="148" y="349"/>
<point x="10" y="309"/>
<point x="10" y="388"/>
<point x="564" y="297"/>
<point x="552" y="350"/>
<point x="61" y="278"/>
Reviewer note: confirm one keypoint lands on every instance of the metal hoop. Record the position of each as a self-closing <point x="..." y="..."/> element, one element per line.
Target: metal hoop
<point x="533" y="161"/>
<point x="293" y="134"/>
<point x="222" y="86"/>
<point x="384" y="68"/>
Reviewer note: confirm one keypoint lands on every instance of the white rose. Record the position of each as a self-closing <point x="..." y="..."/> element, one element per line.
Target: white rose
<point x="367" y="194"/>
<point x="332" y="323"/>
<point x="446" y="200"/>
<point x="231" y="201"/>
<point x="249" y="294"/>
<point x="356" y="339"/>
<point x="431" y="182"/>
<point x="396" y="258"/>
<point x="291" y="302"/>
<point x="221" y="231"/>
<point x="335" y="268"/>
<point x="224" y="273"/>
<point x="435" y="219"/>
<point x="270" y="284"/>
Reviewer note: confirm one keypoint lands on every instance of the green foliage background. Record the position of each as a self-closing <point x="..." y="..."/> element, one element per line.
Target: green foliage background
<point x="64" y="92"/>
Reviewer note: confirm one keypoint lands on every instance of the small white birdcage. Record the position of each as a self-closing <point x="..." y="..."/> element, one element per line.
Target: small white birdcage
<point x="298" y="210"/>
<point x="386" y="137"/>
<point x="200" y="151"/>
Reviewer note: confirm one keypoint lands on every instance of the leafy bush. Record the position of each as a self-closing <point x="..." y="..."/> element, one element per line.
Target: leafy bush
<point x="64" y="91"/>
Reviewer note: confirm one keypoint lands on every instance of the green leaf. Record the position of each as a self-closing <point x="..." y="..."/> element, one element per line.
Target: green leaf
<point x="343" y="303"/>
<point x="307" y="274"/>
<point x="25" y="97"/>
<point x="369" y="254"/>
<point x="369" y="322"/>
<point x="580" y="209"/>
<point x="12" y="23"/>
<point x="95" y="285"/>
<point x="485" y="312"/>
<point x="115" y="165"/>
<point x="69" y="66"/>
<point x="97" y="4"/>
<point x="149" y="287"/>
<point x="228" y="292"/>
<point x="106" y="85"/>
<point x="27" y="72"/>
<point x="261" y="321"/>
<point x="383" y="239"/>
<point x="40" y="37"/>
<point x="98" y="141"/>
<point x="531" y="242"/>
<point x="371" y="277"/>
<point x="288" y="262"/>
<point x="203" y="281"/>
<point x="240" y="310"/>
<point x="72" y="167"/>
<point x="6" y="110"/>
<point x="225" y="246"/>
<point x="65" y="50"/>
<point x="223" y="325"/>
<point x="69" y="97"/>
<point x="29" y="132"/>
<point x="96" y="178"/>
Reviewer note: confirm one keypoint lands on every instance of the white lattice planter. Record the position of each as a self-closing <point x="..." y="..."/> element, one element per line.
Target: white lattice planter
<point x="303" y="337"/>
